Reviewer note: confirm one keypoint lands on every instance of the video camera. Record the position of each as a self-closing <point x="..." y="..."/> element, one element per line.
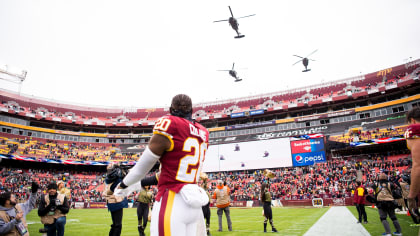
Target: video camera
<point x="116" y="172"/>
<point x="407" y="178"/>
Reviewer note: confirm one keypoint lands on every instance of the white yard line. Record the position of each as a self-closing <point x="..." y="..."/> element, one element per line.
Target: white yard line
<point x="337" y="221"/>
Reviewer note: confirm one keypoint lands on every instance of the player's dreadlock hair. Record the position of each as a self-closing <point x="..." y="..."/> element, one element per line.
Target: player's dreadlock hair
<point x="413" y="113"/>
<point x="181" y="106"/>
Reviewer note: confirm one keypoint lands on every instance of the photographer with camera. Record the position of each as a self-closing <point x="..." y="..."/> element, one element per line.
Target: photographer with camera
<point x="115" y="204"/>
<point x="12" y="215"/>
<point x="386" y="204"/>
<point x="53" y="209"/>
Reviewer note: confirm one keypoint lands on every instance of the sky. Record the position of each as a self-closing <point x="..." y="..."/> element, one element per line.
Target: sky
<point x="139" y="54"/>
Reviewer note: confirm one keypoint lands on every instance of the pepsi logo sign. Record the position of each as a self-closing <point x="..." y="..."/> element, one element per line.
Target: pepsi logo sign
<point x="299" y="159"/>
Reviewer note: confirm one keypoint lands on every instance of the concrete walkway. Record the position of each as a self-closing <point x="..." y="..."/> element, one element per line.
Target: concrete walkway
<point x="337" y="221"/>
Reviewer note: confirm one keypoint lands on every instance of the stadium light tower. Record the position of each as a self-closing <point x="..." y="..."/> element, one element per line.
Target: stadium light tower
<point x="11" y="76"/>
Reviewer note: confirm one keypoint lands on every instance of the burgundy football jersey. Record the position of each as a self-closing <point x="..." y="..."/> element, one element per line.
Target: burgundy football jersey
<point x="412" y="131"/>
<point x="182" y="163"/>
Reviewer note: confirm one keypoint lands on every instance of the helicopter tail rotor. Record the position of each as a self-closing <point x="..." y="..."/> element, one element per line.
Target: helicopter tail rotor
<point x="233" y="65"/>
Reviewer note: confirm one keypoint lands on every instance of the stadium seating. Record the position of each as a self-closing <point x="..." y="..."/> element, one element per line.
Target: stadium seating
<point x="43" y="109"/>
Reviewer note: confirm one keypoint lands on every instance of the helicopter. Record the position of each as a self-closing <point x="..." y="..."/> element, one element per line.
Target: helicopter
<point x="233" y="22"/>
<point x="233" y="73"/>
<point x="305" y="61"/>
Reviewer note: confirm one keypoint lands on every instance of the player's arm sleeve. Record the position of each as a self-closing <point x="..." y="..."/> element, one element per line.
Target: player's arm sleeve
<point x="143" y="165"/>
<point x="414" y="144"/>
<point x="29" y="204"/>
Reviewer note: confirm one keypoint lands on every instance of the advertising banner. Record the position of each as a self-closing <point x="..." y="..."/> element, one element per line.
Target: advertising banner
<point x="304" y="159"/>
<point x="256" y="112"/>
<point x="95" y="205"/>
<point x="308" y="145"/>
<point x="236" y="115"/>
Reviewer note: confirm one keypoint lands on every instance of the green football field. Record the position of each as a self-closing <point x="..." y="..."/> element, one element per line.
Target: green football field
<point x="246" y="222"/>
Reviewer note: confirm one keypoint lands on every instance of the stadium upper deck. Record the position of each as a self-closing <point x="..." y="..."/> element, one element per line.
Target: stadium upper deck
<point x="368" y="85"/>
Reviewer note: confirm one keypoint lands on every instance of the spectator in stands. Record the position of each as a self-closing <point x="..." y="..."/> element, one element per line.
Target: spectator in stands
<point x="53" y="209"/>
<point x="266" y="200"/>
<point x="386" y="205"/>
<point x="359" y="200"/>
<point x="115" y="204"/>
<point x="222" y="196"/>
<point x="13" y="215"/>
<point x="412" y="135"/>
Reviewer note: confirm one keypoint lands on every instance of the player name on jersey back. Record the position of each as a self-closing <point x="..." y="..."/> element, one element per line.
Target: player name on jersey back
<point x="198" y="132"/>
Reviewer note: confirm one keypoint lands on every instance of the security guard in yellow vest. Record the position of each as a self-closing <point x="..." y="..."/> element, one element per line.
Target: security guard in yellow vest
<point x="12" y="215"/>
<point x="53" y="209"/>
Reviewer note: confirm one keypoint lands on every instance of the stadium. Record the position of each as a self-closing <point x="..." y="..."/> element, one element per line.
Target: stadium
<point x="153" y="118"/>
<point x="317" y="141"/>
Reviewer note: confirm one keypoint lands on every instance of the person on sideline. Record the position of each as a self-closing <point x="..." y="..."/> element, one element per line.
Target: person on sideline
<point x="266" y="200"/>
<point x="386" y="205"/>
<point x="222" y="196"/>
<point x="53" y="209"/>
<point x="412" y="135"/>
<point x="359" y="200"/>
<point x="13" y="215"/>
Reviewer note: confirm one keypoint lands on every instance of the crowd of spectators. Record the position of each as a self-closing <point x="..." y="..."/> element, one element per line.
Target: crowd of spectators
<point x="51" y="149"/>
<point x="335" y="179"/>
<point x="332" y="179"/>
<point x="84" y="186"/>
<point x="359" y="135"/>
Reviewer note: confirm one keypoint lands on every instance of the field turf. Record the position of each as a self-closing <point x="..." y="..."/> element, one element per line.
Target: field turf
<point x="246" y="222"/>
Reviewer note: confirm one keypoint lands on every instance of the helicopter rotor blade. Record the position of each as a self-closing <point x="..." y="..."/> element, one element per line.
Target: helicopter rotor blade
<point x="312" y="53"/>
<point x="245" y="16"/>
<point x="219" y="21"/>
<point x="230" y="11"/>
<point x="222" y="70"/>
<point x="296" y="62"/>
<point x="233" y="65"/>
<point x="311" y="59"/>
<point x="298" y="56"/>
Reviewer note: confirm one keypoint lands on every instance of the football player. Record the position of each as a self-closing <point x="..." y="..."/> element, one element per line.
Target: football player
<point x="412" y="134"/>
<point x="180" y="144"/>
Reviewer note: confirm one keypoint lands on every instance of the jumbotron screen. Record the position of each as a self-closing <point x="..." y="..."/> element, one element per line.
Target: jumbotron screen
<point x="248" y="155"/>
<point x="271" y="153"/>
